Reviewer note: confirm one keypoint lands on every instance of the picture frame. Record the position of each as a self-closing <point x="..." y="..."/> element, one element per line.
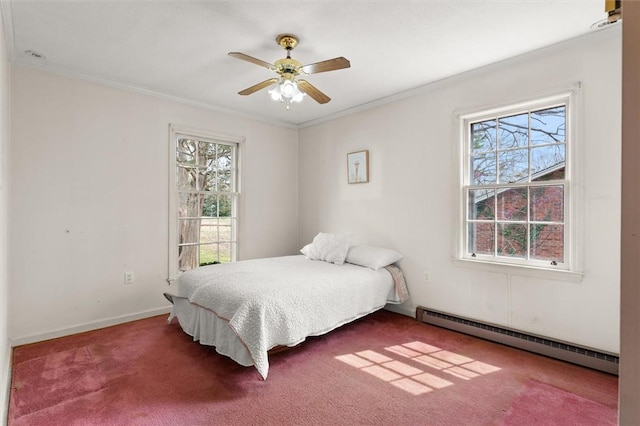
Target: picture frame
<point x="358" y="167"/>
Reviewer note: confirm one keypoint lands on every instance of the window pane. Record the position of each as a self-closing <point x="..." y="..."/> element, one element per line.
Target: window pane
<point x="548" y="125"/>
<point x="224" y="157"/>
<point x="512" y="239"/>
<point x="546" y="160"/>
<point x="225" y="205"/>
<point x="481" y="204"/>
<point x="483" y="169"/>
<point x="547" y="242"/>
<point x="216" y="172"/>
<point x="208" y="231"/>
<point x="480" y="238"/>
<point x="513" y="132"/>
<point x="483" y="136"/>
<point x="189" y="231"/>
<point x="512" y="204"/>
<point x="188" y="257"/>
<point x="186" y="178"/>
<point x="224" y="229"/>
<point x="547" y="203"/>
<point x="209" y="177"/>
<point x="208" y="254"/>
<point x="186" y="151"/>
<point x="186" y="162"/>
<point x="514" y="166"/>
<point x="216" y="230"/>
<point x="206" y="150"/>
<point x="203" y="164"/>
<point x="223" y="180"/>
<point x="215" y="181"/>
<point x="190" y="205"/>
<point x="209" y="206"/>
<point x="225" y="251"/>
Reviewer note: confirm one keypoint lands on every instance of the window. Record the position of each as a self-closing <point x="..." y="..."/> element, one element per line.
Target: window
<point x="517" y="185"/>
<point x="204" y="200"/>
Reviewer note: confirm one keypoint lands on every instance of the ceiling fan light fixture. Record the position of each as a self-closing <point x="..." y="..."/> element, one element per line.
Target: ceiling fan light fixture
<point x="275" y="92"/>
<point x="299" y="97"/>
<point x="286" y="90"/>
<point x="289" y="89"/>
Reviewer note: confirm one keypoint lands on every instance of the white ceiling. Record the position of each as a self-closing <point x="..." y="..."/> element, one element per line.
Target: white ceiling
<point x="178" y="48"/>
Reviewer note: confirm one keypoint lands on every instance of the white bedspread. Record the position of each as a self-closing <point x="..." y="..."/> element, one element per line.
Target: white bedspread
<point x="282" y="300"/>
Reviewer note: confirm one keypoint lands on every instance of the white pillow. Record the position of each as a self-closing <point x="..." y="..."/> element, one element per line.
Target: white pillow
<point x="372" y="257"/>
<point x="330" y="248"/>
<point x="305" y="250"/>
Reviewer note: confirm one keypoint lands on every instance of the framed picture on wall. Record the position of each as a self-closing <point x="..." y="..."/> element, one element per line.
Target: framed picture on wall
<point x="358" y="167"/>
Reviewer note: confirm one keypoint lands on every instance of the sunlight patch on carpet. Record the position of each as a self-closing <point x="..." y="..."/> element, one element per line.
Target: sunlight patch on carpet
<point x="48" y="380"/>
<point x="382" y="373"/>
<point x="461" y="373"/>
<point x="354" y="360"/>
<point x="406" y="370"/>
<point x="373" y="356"/>
<point x="432" y="362"/>
<point x="411" y="386"/>
<point x="432" y="381"/>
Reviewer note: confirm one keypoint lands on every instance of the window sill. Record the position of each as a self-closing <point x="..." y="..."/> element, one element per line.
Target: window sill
<point x="524" y="271"/>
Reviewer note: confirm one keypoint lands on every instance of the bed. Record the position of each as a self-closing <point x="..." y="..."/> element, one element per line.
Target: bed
<point x="248" y="307"/>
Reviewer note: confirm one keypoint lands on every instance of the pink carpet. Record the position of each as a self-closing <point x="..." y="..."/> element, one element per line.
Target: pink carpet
<point x="541" y="404"/>
<point x="383" y="369"/>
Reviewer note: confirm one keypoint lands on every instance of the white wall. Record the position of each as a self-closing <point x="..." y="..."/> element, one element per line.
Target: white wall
<point x="89" y="200"/>
<point x="5" y="349"/>
<point x="410" y="201"/>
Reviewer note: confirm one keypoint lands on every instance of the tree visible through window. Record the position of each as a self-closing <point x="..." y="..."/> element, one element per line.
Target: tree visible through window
<point x="206" y="201"/>
<point x="516" y="186"/>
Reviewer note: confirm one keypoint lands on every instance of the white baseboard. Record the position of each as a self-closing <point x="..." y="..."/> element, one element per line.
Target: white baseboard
<point x="400" y="309"/>
<point x="90" y="326"/>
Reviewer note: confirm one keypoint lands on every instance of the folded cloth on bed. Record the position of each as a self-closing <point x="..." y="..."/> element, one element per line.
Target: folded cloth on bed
<point x="402" y="291"/>
<point x="281" y="301"/>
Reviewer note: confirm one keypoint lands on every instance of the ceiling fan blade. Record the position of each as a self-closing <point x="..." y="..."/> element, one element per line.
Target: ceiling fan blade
<point x="259" y="86"/>
<point x="312" y="91"/>
<point x="328" y="65"/>
<point x="253" y="60"/>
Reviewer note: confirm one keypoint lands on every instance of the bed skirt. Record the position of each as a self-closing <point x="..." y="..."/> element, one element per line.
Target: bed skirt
<point x="205" y="327"/>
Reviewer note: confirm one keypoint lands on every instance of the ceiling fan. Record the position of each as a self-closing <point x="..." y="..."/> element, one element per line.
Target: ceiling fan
<point x="287" y="87"/>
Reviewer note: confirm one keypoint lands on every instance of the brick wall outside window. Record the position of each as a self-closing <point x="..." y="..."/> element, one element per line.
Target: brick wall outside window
<point x="547" y="205"/>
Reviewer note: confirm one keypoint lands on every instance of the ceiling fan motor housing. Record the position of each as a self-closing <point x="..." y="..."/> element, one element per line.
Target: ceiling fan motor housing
<point x="287" y="67"/>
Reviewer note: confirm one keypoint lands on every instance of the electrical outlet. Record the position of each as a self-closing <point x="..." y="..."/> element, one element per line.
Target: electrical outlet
<point x="427" y="276"/>
<point x="128" y="277"/>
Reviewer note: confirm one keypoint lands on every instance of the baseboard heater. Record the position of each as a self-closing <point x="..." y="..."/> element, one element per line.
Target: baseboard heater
<point x="564" y="351"/>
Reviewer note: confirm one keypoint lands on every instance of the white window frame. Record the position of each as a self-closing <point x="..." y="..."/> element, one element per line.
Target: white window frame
<point x="176" y="131"/>
<point x="571" y="269"/>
